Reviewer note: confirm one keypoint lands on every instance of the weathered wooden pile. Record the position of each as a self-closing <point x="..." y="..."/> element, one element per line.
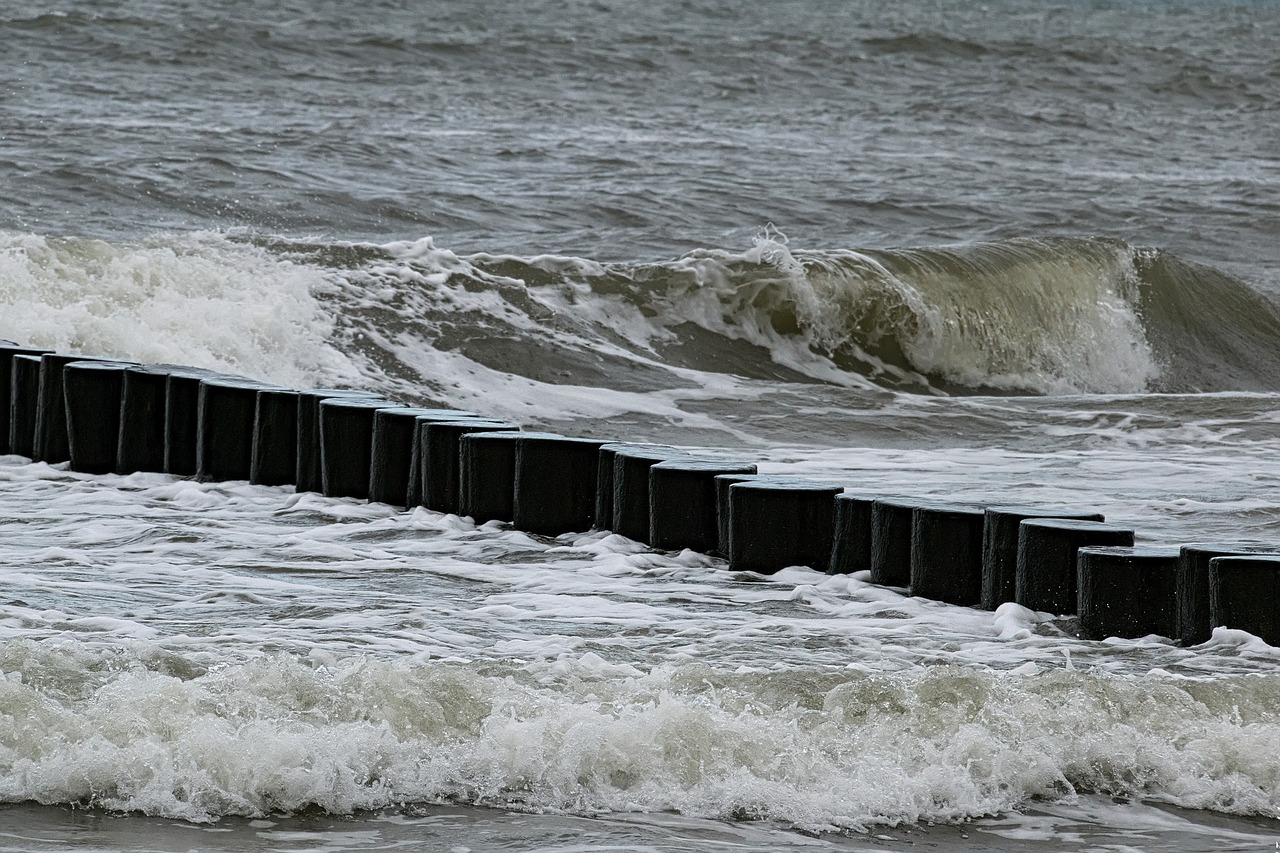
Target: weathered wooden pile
<point x="109" y="416"/>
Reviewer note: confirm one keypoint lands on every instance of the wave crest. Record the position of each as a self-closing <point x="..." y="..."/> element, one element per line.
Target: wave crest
<point x="198" y="299"/>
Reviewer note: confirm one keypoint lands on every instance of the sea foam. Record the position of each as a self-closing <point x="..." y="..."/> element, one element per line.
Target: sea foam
<point x="817" y="749"/>
<point x="196" y="650"/>
<point x="200" y="299"/>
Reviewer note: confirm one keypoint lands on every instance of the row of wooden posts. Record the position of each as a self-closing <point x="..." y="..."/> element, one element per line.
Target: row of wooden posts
<point x="104" y="415"/>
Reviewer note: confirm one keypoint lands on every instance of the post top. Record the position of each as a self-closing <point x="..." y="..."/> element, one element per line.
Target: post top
<point x="1134" y="552"/>
<point x="1252" y="561"/>
<point x="422" y="414"/>
<point x="552" y="438"/>
<point x="509" y="435"/>
<point x="651" y="453"/>
<point x="909" y="503"/>
<point x="951" y="508"/>
<point x="1225" y="549"/>
<point x="776" y="484"/>
<point x="725" y="467"/>
<point x="478" y="423"/>
<point x="117" y="366"/>
<point x="1075" y="524"/>
<point x="331" y="403"/>
<point x="1025" y="511"/>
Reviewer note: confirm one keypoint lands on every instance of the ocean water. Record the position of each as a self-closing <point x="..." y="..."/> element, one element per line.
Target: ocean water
<point x="1011" y="253"/>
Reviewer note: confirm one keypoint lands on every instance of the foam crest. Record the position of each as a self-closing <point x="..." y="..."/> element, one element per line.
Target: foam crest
<point x="820" y="749"/>
<point x="201" y="299"/>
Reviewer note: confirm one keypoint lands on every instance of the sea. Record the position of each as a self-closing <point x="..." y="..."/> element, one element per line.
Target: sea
<point x="1009" y="251"/>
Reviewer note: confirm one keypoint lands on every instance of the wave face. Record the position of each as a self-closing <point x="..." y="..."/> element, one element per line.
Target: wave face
<point x="1038" y="316"/>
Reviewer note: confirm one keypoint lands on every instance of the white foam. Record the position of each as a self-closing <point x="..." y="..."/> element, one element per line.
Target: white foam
<point x="200" y="299"/>
<point x="253" y="651"/>
<point x="812" y="748"/>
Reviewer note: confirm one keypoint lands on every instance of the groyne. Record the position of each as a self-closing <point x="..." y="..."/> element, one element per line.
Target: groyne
<point x="103" y="415"/>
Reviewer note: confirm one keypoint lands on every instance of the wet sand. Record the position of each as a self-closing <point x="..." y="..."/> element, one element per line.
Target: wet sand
<point x="1089" y="824"/>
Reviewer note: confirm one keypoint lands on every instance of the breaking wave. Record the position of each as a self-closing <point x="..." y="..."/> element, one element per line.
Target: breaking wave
<point x="1024" y="316"/>
<point x="164" y="735"/>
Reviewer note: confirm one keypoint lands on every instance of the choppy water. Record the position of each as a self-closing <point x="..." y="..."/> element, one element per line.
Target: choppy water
<point x="1016" y="253"/>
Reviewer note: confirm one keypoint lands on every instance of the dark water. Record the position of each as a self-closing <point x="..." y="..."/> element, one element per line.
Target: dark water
<point x="1017" y="251"/>
<point x="639" y="134"/>
<point x="619" y="132"/>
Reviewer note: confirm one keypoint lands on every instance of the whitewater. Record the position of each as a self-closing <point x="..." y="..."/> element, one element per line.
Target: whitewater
<point x="1017" y="253"/>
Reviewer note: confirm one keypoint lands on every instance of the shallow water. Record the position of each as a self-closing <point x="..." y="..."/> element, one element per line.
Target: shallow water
<point x="196" y="650"/>
<point x="1099" y="824"/>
